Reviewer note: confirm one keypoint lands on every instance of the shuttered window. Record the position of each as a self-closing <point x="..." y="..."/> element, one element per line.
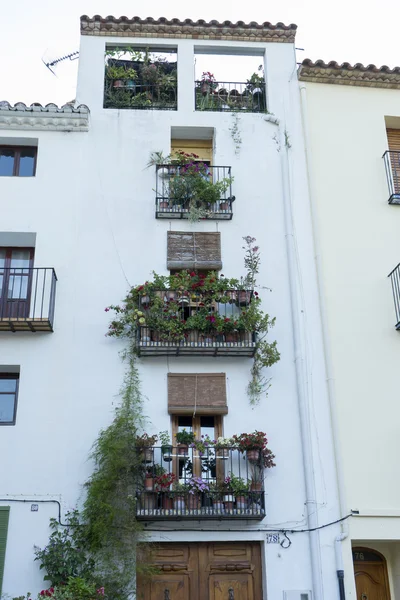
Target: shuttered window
<point x="194" y="250"/>
<point x="393" y="136"/>
<point x="4" y="514"/>
<point x="201" y="393"/>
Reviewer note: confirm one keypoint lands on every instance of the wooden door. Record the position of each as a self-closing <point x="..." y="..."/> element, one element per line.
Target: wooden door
<point x="206" y="571"/>
<point x="370" y="574"/>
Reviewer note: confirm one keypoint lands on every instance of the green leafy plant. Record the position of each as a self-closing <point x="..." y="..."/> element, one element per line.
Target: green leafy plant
<point x="67" y="554"/>
<point x="185" y="437"/>
<point x="236" y="485"/>
<point x="145" y="440"/>
<point x="164" y="438"/>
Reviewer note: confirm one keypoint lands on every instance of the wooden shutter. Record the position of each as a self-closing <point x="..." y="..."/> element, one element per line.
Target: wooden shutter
<point x="201" y="393"/>
<point x="4" y="514"/>
<point x="194" y="250"/>
<point x="393" y="136"/>
<point x="203" y="148"/>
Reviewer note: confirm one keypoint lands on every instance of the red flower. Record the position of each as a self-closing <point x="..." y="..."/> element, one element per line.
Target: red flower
<point x="192" y="274"/>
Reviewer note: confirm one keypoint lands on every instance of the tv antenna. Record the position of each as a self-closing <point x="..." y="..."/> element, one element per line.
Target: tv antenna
<point x="53" y="63"/>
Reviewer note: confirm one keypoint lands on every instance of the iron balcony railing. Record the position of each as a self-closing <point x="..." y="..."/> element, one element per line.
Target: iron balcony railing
<point x="125" y="93"/>
<point x="392" y="168"/>
<point x="176" y="193"/>
<point x="186" y="323"/>
<point x="186" y="482"/>
<point x="230" y="96"/>
<point x="395" y="281"/>
<point x="27" y="300"/>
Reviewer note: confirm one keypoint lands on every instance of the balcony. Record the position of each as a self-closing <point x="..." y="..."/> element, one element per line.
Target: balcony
<point x="192" y="324"/>
<point x="184" y="483"/>
<point x="182" y="194"/>
<point x="392" y="168"/>
<point x="27" y="299"/>
<point x="230" y="96"/>
<point x="395" y="281"/>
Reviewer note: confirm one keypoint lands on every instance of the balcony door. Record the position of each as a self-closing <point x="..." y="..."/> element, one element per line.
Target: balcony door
<point x="205" y="571"/>
<point x="15" y="282"/>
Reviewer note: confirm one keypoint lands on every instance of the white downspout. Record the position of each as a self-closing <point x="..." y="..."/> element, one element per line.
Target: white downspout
<point x="301" y="372"/>
<point x="325" y="338"/>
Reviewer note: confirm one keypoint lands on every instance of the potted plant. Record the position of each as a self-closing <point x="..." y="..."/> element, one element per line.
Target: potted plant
<point x="144" y="444"/>
<point x="223" y="446"/>
<point x="239" y="488"/>
<point x="180" y="491"/>
<point x="216" y="490"/>
<point x="162" y="484"/>
<point x="196" y="486"/>
<point x="202" y="446"/>
<point x="166" y="446"/>
<point x="252" y="444"/>
<point x="207" y="83"/>
<point x="184" y="439"/>
<point x="151" y="473"/>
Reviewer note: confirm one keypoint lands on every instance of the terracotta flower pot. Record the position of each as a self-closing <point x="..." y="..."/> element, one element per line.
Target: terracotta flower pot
<point x="164" y="205"/>
<point x="253" y="455"/>
<point x="223" y="206"/>
<point x="149" y="501"/>
<point x="244" y="298"/>
<point x="232" y="337"/>
<point x="256" y="486"/>
<point x="167" y="502"/>
<point x="146" y="455"/>
<point x="183" y="449"/>
<point x="193" y="502"/>
<point x="118" y="83"/>
<point x="149" y="484"/>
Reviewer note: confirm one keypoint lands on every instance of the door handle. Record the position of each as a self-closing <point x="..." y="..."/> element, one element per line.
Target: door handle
<point x="166" y="594"/>
<point x="231" y="595"/>
<point x="364" y="597"/>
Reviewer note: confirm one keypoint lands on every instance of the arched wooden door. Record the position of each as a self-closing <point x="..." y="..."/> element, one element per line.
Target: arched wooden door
<point x="370" y="573"/>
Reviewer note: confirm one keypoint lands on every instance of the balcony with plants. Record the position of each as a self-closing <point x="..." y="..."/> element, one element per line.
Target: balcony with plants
<point x="202" y="479"/>
<point x="139" y="79"/>
<point x="230" y="96"/>
<point x="188" y="188"/>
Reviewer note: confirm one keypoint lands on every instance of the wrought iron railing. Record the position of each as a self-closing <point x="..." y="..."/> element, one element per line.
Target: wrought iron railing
<point x="170" y="205"/>
<point x="27" y="299"/>
<point x="395" y="280"/>
<point x="392" y="168"/>
<point x="187" y="482"/>
<point x="179" y="322"/>
<point x="123" y="93"/>
<point x="230" y="96"/>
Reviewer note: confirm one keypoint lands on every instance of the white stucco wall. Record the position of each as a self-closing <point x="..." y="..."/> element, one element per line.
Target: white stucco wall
<point x="358" y="246"/>
<point x="92" y="206"/>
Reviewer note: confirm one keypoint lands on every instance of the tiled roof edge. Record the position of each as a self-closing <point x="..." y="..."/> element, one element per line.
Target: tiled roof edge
<point x="347" y="74"/>
<point x="175" y="28"/>
<point x="48" y="108"/>
<point x="44" y="118"/>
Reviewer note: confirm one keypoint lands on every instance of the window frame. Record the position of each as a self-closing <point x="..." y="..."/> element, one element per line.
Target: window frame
<point x="14" y="376"/>
<point x="17" y="156"/>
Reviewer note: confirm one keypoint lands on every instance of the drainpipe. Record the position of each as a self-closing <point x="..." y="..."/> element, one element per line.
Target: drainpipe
<point x="327" y="354"/>
<point x="301" y="374"/>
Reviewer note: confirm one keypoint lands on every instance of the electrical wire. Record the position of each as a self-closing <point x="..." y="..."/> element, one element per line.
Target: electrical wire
<point x="36" y="501"/>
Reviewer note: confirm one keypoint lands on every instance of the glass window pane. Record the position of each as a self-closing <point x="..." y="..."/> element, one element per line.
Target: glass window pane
<point x="6" y="162"/>
<point x="7" y="402"/>
<point x="8" y="385"/>
<point x="2" y="258"/>
<point x="18" y="287"/>
<point x="1" y="285"/>
<point x="184" y="423"/>
<point x="27" y="162"/>
<point x="20" y="259"/>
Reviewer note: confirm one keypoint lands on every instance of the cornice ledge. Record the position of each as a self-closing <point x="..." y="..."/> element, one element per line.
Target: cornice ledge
<point x="44" y="118"/>
<point x="345" y="74"/>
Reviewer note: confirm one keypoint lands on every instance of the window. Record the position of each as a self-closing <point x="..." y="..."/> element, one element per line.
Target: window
<point x="203" y="148"/>
<point x="15" y="281"/>
<point x="19" y="161"/>
<point x="8" y="397"/>
<point x="193" y="250"/>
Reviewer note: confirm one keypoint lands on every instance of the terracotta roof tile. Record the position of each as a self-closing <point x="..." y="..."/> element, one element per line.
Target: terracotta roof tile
<point x="175" y="28"/>
<point x="347" y="74"/>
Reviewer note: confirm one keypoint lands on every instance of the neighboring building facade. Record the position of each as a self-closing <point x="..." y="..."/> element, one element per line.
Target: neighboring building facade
<point x="95" y="214"/>
<point x="349" y="126"/>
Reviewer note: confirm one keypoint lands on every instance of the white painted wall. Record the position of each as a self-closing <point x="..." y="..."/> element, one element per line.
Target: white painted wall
<point x="358" y="246"/>
<point x="92" y="207"/>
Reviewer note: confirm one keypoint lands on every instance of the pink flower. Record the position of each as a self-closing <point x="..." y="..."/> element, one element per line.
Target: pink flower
<point x="107" y="309"/>
<point x="100" y="591"/>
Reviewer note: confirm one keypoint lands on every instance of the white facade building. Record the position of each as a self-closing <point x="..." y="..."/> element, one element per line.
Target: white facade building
<point x="89" y="213"/>
<point x="349" y="127"/>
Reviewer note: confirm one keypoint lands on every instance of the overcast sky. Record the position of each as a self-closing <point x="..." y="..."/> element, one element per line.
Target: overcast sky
<point x="342" y="30"/>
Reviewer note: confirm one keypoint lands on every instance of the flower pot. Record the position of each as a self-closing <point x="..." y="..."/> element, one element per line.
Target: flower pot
<point x="145" y="299"/>
<point x="155" y="336"/>
<point x="118" y="83"/>
<point x="253" y="455"/>
<point x="246" y="337"/>
<point x="149" y="501"/>
<point x="147" y="454"/>
<point x="149" y="484"/>
<point x="241" y="502"/>
<point x="231" y="296"/>
<point x="256" y="486"/>
<point x="193" y="336"/>
<point x="167" y="502"/>
<point x="130" y="84"/>
<point x="179" y="503"/>
<point x="167" y="453"/>
<point x="193" y="502"/>
<point x="223" y="205"/>
<point x="144" y="334"/>
<point x="163" y="205"/>
<point x="232" y="337"/>
<point x="244" y="298"/>
<point x="183" y="449"/>
<point x="171" y="295"/>
<point x="184" y="299"/>
<point x="228" y="505"/>
<point x="163" y="172"/>
<point x="218" y="505"/>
